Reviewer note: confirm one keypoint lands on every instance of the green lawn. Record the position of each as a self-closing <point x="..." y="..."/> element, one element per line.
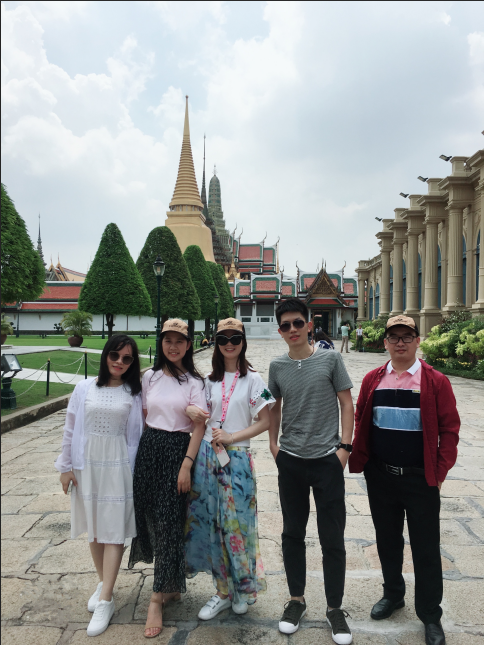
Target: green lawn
<point x="36" y="394"/>
<point x="66" y="362"/>
<point x="90" y="342"/>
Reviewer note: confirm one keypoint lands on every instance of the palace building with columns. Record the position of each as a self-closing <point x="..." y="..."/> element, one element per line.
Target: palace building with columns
<point x="430" y="263"/>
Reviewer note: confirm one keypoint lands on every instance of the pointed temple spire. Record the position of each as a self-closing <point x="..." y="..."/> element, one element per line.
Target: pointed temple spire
<point x="39" y="246"/>
<point x="186" y="189"/>
<point x="203" y="195"/>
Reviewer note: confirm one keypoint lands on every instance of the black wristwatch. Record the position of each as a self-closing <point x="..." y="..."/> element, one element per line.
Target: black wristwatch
<point x="346" y="446"/>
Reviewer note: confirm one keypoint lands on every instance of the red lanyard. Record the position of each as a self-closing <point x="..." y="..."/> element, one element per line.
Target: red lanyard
<point x="226" y="400"/>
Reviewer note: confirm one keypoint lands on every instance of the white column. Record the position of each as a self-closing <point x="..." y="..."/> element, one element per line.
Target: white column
<point x="454" y="277"/>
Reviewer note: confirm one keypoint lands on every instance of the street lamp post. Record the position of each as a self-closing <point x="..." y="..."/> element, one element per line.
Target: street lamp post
<point x="159" y="269"/>
<point x="19" y="307"/>
<point x="216" y="314"/>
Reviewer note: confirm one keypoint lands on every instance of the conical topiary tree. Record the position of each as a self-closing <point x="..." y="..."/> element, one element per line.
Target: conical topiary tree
<point x="23" y="274"/>
<point x="179" y="298"/>
<point x="226" y="302"/>
<point x="203" y="282"/>
<point x="113" y="284"/>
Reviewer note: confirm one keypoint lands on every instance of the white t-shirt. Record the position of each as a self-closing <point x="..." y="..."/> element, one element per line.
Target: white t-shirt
<point x="248" y="398"/>
<point x="359" y="332"/>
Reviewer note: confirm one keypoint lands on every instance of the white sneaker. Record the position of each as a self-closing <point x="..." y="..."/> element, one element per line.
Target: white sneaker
<point x="102" y="615"/>
<point x="240" y="608"/>
<point x="94" y="599"/>
<point x="213" y="607"/>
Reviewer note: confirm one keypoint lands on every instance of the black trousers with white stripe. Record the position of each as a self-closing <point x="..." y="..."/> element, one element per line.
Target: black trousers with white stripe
<point x="392" y="497"/>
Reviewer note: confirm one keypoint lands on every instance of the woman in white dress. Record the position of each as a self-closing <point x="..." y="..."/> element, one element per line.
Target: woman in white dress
<point x="104" y="422"/>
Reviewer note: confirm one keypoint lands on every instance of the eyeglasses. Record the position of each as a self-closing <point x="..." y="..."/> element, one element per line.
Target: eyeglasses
<point x="126" y="359"/>
<point x="234" y="340"/>
<point x="406" y="339"/>
<point x="286" y="326"/>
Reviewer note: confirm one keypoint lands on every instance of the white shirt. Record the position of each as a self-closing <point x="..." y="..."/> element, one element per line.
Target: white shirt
<point x="248" y="398"/>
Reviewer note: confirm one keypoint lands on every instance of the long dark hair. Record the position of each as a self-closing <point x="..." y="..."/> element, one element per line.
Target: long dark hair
<point x="132" y="376"/>
<point x="218" y="362"/>
<point x="187" y="362"/>
<point x="321" y="335"/>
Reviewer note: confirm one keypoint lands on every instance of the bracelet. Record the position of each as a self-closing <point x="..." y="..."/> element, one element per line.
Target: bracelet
<point x="188" y="457"/>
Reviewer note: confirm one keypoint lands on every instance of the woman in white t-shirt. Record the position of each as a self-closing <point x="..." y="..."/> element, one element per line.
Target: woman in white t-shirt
<point x="221" y="536"/>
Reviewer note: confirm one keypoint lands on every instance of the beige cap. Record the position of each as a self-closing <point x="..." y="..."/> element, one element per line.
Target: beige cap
<point x="401" y="320"/>
<point x="175" y="324"/>
<point x="230" y="323"/>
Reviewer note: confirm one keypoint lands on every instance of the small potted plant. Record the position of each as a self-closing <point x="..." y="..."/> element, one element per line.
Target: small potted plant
<point x="76" y="324"/>
<point x="7" y="329"/>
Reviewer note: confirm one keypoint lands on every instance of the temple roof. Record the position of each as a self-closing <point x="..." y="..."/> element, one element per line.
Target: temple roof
<point x="186" y="188"/>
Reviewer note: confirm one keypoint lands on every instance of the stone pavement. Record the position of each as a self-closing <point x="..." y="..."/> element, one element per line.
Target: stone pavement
<point x="47" y="578"/>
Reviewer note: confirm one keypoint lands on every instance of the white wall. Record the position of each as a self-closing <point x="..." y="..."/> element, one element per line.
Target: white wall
<point x="44" y="322"/>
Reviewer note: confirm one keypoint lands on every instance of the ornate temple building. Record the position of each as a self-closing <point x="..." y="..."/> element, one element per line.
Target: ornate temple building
<point x="256" y="280"/>
<point x="185" y="215"/>
<point x="430" y="263"/>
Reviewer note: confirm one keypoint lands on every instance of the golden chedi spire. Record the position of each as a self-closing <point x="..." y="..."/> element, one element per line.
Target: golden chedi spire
<point x="186" y="189"/>
<point x="185" y="217"/>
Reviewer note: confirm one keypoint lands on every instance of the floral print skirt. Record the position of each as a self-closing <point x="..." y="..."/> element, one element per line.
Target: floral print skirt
<point x="221" y="533"/>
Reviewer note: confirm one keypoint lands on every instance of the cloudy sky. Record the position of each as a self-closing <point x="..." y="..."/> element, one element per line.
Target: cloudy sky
<point x="316" y="114"/>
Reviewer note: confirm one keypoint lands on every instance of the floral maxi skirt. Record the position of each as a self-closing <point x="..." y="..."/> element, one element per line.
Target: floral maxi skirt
<point x="221" y="533"/>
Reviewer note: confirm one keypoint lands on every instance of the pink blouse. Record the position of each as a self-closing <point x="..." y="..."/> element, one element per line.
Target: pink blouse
<point x="166" y="400"/>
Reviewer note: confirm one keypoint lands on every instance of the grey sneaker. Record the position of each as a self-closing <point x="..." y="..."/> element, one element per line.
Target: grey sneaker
<point x="340" y="631"/>
<point x="294" y="610"/>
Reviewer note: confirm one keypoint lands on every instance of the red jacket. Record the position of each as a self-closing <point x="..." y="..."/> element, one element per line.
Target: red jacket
<point x="440" y="423"/>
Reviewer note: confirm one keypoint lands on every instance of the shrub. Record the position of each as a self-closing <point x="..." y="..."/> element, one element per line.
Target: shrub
<point x="6" y="326"/>
<point x="77" y="323"/>
<point x="460" y="340"/>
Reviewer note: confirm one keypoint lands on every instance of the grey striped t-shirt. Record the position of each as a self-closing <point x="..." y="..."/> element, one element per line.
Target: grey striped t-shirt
<point x="310" y="410"/>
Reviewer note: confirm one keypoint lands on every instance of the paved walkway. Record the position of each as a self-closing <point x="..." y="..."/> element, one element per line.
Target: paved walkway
<point x="47" y="578"/>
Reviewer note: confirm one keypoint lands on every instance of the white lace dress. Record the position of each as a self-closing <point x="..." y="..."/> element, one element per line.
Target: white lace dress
<point x="102" y="503"/>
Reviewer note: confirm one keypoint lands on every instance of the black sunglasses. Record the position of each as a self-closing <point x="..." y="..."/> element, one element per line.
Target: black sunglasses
<point x="127" y="359"/>
<point x="234" y="340"/>
<point x="286" y="326"/>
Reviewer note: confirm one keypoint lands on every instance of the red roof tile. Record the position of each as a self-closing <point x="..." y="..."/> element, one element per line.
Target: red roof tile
<point x="308" y="282"/>
<point x="266" y="285"/>
<point x="28" y="306"/>
<point x="60" y="292"/>
<point x="287" y="291"/>
<point x="250" y="252"/>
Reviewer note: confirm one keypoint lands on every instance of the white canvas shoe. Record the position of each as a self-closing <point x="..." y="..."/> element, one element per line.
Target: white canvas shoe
<point x="102" y="615"/>
<point x="94" y="599"/>
<point x="213" y="607"/>
<point x="240" y="608"/>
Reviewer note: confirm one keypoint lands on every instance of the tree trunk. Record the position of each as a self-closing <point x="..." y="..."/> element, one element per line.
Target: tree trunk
<point x="207" y="327"/>
<point x="191" y="329"/>
<point x="164" y="318"/>
<point x="110" y="324"/>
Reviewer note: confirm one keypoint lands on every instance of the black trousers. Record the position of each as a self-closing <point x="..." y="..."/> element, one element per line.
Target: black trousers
<point x="392" y="497"/>
<point x="325" y="477"/>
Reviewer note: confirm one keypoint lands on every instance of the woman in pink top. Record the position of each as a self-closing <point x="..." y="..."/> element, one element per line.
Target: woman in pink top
<point x="163" y="466"/>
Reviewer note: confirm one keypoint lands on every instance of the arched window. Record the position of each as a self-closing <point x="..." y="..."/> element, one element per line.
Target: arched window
<point x="464" y="269"/>
<point x="371" y="303"/>
<point x="391" y="287"/>
<point x="439" y="278"/>
<point x="377" y="301"/>
<point x="478" y="257"/>
<point x="404" y="285"/>
<point x="419" y="282"/>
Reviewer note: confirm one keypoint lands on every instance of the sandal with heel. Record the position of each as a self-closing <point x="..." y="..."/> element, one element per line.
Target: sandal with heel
<point x="157" y="627"/>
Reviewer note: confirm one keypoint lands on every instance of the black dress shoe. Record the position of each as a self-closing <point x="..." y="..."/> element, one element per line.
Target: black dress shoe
<point x="434" y="634"/>
<point x="384" y="608"/>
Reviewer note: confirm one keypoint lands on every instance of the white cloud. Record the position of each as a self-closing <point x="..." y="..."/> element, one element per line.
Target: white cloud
<point x="445" y="18"/>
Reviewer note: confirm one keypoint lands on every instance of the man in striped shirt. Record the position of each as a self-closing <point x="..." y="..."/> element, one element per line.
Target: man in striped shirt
<point x="406" y="435"/>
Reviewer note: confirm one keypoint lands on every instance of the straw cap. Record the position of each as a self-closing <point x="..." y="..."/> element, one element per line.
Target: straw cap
<point x="175" y="324"/>
<point x="406" y="321"/>
<point x="230" y="323"/>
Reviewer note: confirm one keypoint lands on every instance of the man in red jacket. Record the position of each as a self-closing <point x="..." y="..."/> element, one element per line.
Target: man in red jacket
<point x="406" y="435"/>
